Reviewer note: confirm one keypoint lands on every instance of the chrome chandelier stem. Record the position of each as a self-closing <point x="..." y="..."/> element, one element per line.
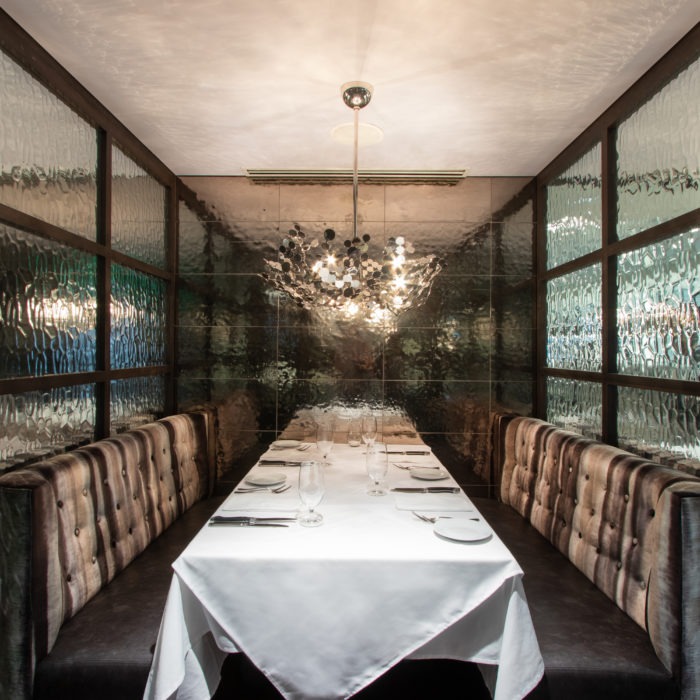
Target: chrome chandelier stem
<point x="355" y="176"/>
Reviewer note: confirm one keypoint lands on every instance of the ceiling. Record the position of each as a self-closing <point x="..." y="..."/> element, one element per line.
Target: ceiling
<point x="216" y="87"/>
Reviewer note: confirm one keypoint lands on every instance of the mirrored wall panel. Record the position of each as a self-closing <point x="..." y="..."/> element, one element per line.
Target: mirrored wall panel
<point x="48" y="154"/>
<point x="658" y="309"/>
<point x="136" y="401"/>
<point x="574" y="330"/>
<point x="47" y="306"/>
<point x="658" y="156"/>
<point x="660" y="426"/>
<point x="447" y="363"/>
<point x="138" y="319"/>
<point x="41" y="423"/>
<point x="576" y="406"/>
<point x="139" y="211"/>
<point x="574" y="210"/>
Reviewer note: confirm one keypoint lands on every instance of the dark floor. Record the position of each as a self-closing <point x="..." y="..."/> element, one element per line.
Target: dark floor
<point x="409" y="680"/>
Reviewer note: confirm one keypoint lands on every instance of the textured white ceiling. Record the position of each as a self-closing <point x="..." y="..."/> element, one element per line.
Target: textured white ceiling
<point x="214" y="87"/>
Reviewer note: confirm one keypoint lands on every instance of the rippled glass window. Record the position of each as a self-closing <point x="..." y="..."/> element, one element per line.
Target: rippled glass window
<point x="576" y="406"/>
<point x="48" y="154"/>
<point x="138" y="319"/>
<point x="42" y="423"/>
<point x="658" y="163"/>
<point x="47" y="306"/>
<point x="660" y="426"/>
<point x="574" y="210"/>
<point x="139" y="211"/>
<point x="658" y="320"/>
<point x="136" y="401"/>
<point x="574" y="326"/>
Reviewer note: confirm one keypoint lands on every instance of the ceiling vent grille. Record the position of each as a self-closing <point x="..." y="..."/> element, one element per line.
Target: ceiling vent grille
<point x="421" y="177"/>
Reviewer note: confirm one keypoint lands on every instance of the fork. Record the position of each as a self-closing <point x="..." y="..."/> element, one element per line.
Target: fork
<point x="304" y="446"/>
<point x="434" y="518"/>
<point x="278" y="489"/>
<point x="413" y="466"/>
<point x="429" y="518"/>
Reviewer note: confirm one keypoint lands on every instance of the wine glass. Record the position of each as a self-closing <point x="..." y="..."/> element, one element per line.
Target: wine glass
<point x="377" y="466"/>
<point x="369" y="430"/>
<point x="311" y="490"/>
<point x="324" y="441"/>
<point x="354" y="433"/>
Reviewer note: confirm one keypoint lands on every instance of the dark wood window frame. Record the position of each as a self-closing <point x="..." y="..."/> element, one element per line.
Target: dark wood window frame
<point x="603" y="131"/>
<point x="19" y="46"/>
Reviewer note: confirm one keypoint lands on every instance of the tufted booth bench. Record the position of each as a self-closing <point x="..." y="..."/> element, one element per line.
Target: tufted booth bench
<point x="87" y="541"/>
<point x="610" y="547"/>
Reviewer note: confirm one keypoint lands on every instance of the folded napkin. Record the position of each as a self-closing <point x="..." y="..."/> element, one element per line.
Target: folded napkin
<point x="249" y="503"/>
<point x="280" y="461"/>
<point x="434" y="502"/>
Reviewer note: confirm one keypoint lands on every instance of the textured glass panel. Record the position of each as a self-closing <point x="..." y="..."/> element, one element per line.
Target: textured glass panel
<point x="48" y="154"/>
<point x="47" y="306"/>
<point x="660" y="426"/>
<point x="138" y="319"/>
<point x="658" y="320"/>
<point x="136" y="401"/>
<point x="39" y="423"/>
<point x="574" y="330"/>
<point x="139" y="205"/>
<point x="575" y="406"/>
<point x="658" y="163"/>
<point x="574" y="210"/>
<point x="512" y="245"/>
<point x="195" y="247"/>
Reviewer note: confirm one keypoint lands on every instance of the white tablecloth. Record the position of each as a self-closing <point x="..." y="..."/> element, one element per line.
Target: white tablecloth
<point x="324" y="611"/>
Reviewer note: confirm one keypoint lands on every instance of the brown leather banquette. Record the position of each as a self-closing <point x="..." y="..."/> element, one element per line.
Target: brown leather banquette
<point x="610" y="546"/>
<point x="87" y="541"/>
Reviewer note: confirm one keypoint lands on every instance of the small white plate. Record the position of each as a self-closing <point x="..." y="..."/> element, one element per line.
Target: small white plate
<point x="266" y="479"/>
<point x="462" y="530"/>
<point x="285" y="444"/>
<point x="427" y="474"/>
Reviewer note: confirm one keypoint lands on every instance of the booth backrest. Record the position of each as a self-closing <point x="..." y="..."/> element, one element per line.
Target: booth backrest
<point x="630" y="525"/>
<point x="71" y="523"/>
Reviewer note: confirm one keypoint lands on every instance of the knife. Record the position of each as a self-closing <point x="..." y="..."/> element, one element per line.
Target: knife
<point x="278" y="463"/>
<point x="408" y="452"/>
<point x="247" y="519"/>
<point x="429" y="489"/>
<point x="244" y="523"/>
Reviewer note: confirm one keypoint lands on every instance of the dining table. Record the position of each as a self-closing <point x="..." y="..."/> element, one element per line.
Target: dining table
<point x="324" y="611"/>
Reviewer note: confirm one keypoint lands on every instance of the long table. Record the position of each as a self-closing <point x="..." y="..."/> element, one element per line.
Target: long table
<point x="324" y="611"/>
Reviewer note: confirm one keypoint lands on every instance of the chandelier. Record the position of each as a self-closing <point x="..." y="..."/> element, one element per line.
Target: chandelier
<point x="344" y="278"/>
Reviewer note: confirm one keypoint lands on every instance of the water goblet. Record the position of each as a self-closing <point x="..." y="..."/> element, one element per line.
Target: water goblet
<point x="369" y="430"/>
<point x="324" y="441"/>
<point x="354" y="433"/>
<point x="311" y="490"/>
<point x="377" y="466"/>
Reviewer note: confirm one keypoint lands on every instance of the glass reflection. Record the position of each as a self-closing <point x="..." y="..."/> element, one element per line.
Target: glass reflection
<point x="658" y="164"/>
<point x="49" y="154"/>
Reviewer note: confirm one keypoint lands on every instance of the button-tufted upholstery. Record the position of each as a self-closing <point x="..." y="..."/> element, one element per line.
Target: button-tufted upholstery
<point x="85" y="515"/>
<point x="631" y="526"/>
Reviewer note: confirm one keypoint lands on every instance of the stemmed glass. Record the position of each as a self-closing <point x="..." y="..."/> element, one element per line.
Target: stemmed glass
<point x="369" y="430"/>
<point x="354" y="433"/>
<point x="311" y="490"/>
<point x="377" y="467"/>
<point x="324" y="440"/>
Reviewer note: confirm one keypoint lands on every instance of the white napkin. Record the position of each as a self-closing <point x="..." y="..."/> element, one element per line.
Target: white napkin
<point x="436" y="502"/>
<point x="287" y="456"/>
<point x="282" y="503"/>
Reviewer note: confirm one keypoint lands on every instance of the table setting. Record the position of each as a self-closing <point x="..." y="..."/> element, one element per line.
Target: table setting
<point x="329" y="572"/>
